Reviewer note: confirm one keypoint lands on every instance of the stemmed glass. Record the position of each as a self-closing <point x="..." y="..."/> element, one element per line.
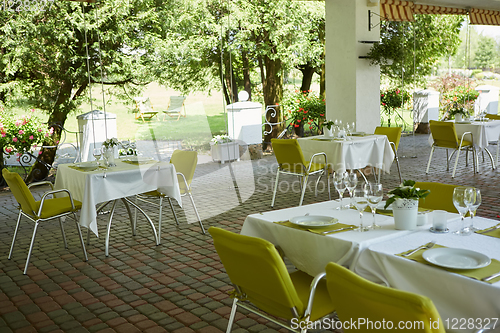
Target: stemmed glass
<point x="375" y="195"/>
<point x="351" y="181"/>
<point x="473" y="200"/>
<point x="460" y="203"/>
<point x="339" y="183"/>
<point x="360" y="201"/>
<point x="97" y="152"/>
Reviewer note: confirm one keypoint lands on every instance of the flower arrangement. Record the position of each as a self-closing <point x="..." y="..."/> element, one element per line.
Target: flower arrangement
<point x="407" y="190"/>
<point x="392" y="99"/>
<point x="304" y="108"/>
<point x="23" y="134"/>
<point x="329" y="124"/>
<point x="110" y="143"/>
<point x="459" y="109"/>
<point x="218" y="139"/>
<point x="459" y="100"/>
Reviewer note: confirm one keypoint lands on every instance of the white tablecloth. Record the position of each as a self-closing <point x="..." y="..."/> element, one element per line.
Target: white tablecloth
<point x="355" y="153"/>
<point x="121" y="181"/>
<point x="310" y="252"/>
<point x="455" y="296"/>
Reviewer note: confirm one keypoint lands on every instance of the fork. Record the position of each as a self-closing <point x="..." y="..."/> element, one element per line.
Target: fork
<point x="489" y="229"/>
<point x="425" y="247"/>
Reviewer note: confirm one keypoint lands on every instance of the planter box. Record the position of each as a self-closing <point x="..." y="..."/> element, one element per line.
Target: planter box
<point x="225" y="152"/>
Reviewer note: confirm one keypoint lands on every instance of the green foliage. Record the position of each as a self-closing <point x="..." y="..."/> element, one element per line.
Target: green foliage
<point x="393" y="98"/>
<point x="460" y="100"/>
<point x="304" y="108"/>
<point x="407" y="190"/>
<point x="485" y="55"/>
<point x="415" y="48"/>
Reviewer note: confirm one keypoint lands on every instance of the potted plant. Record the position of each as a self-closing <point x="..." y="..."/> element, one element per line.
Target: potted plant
<point x="392" y="99"/>
<point x="404" y="200"/>
<point x="108" y="151"/>
<point x="328" y="128"/>
<point x="224" y="149"/>
<point x="304" y="110"/>
<point x="458" y="111"/>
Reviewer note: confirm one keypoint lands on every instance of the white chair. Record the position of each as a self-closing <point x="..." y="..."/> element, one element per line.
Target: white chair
<point x="176" y="107"/>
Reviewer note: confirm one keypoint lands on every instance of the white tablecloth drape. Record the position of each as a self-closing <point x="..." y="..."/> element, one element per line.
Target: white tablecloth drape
<point x="117" y="182"/>
<point x="310" y="252"/>
<point x="483" y="132"/>
<point x="455" y="296"/>
<point x="355" y="153"/>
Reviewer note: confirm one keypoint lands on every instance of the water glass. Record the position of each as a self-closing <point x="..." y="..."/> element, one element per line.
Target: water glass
<point x="339" y="183"/>
<point x="462" y="206"/>
<point x="361" y="202"/>
<point x="375" y="195"/>
<point x="351" y="181"/>
<point x="97" y="152"/>
<point x="473" y="201"/>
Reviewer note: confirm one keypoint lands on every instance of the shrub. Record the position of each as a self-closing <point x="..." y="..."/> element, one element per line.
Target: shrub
<point x="304" y="108"/>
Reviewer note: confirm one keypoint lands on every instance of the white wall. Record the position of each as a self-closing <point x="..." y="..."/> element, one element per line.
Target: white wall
<point x="352" y="85"/>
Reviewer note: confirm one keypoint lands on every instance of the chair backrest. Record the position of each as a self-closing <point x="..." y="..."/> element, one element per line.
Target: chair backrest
<point x="354" y="297"/>
<point x="444" y="133"/>
<point x="493" y="116"/>
<point x="441" y="196"/>
<point x="143" y="104"/>
<point x="393" y="134"/>
<point x="288" y="154"/>
<point x="21" y="192"/>
<point x="176" y="103"/>
<point x="185" y="162"/>
<point x="255" y="267"/>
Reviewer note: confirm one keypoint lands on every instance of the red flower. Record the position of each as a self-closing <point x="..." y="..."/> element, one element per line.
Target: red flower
<point x="298" y="120"/>
<point x="322" y="114"/>
<point x="296" y="125"/>
<point x="383" y="104"/>
<point x="381" y="95"/>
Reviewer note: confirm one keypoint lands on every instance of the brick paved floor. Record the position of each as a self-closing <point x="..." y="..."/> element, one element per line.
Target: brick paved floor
<point x="179" y="286"/>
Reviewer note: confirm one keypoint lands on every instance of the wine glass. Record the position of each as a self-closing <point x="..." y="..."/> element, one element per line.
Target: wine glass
<point x="351" y="181"/>
<point x="375" y="195"/>
<point x="339" y="183"/>
<point x="97" y="152"/>
<point x="473" y="200"/>
<point x="460" y="203"/>
<point x="360" y="201"/>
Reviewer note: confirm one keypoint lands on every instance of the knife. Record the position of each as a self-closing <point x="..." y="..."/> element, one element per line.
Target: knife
<point x="332" y="231"/>
<point x="491" y="277"/>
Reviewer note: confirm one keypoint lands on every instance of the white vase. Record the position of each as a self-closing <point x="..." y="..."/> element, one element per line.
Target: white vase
<point x="109" y="156"/>
<point x="458" y="117"/>
<point x="225" y="152"/>
<point x="405" y="213"/>
<point x="328" y="132"/>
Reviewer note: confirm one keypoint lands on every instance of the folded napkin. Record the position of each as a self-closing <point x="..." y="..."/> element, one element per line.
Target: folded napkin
<point x="389" y="212"/>
<point x="477" y="274"/>
<point x="332" y="227"/>
<point x="492" y="233"/>
<point x="324" y="139"/>
<point x="139" y="162"/>
<point x="87" y="169"/>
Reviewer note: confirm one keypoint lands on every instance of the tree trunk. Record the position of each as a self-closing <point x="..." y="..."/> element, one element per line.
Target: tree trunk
<point x="247" y="84"/>
<point x="273" y="92"/>
<point x="307" y="75"/>
<point x="230" y="79"/>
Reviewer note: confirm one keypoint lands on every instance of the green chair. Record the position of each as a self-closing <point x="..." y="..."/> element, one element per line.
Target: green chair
<point x="445" y="136"/>
<point x="40" y="211"/>
<point x="263" y="285"/>
<point x="355" y="297"/>
<point x="495" y="117"/>
<point x="291" y="162"/>
<point x="441" y="196"/>
<point x="185" y="162"/>
<point x="394" y="136"/>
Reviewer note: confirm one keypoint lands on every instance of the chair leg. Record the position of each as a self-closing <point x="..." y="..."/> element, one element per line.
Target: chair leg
<point x="173" y="211"/>
<point x="430" y="158"/>
<point x="275" y="188"/>
<point x="81" y="238"/>
<point x="159" y="218"/>
<point x="448" y="160"/>
<point x="15" y="235"/>
<point x="232" y="315"/>
<point x="399" y="170"/>
<point x="196" y="212"/>
<point x="62" y="232"/>
<point x="31" y="248"/>
<point x="303" y="190"/>
<point x="456" y="163"/>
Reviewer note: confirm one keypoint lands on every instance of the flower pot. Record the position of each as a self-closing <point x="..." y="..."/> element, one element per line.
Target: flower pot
<point x="109" y="156"/>
<point x="225" y="152"/>
<point x="328" y="132"/>
<point x="458" y="117"/>
<point x="405" y="213"/>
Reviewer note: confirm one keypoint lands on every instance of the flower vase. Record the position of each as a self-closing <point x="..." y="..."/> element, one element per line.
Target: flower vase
<point x="109" y="156"/>
<point x="328" y="132"/>
<point x="458" y="117"/>
<point x="405" y="213"/>
<point x="225" y="152"/>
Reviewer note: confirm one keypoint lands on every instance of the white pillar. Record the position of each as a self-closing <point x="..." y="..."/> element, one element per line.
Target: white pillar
<point x="352" y="84"/>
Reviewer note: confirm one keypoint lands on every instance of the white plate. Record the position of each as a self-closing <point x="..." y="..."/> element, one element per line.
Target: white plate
<point x="88" y="166"/>
<point x="381" y="205"/>
<point x="456" y="258"/>
<point x="313" y="221"/>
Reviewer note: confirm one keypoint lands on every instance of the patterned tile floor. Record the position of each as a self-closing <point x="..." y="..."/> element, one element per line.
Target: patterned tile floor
<point x="179" y="286"/>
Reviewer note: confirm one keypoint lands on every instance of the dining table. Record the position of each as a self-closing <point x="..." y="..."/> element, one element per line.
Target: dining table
<point x="352" y="152"/>
<point x="375" y="255"/>
<point x="94" y="184"/>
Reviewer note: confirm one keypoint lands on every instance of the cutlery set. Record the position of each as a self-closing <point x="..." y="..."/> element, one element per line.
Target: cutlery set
<point x="425" y="247"/>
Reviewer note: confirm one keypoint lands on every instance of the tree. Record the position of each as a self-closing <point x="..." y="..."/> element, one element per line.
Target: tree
<point x="415" y="47"/>
<point x="485" y="55"/>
